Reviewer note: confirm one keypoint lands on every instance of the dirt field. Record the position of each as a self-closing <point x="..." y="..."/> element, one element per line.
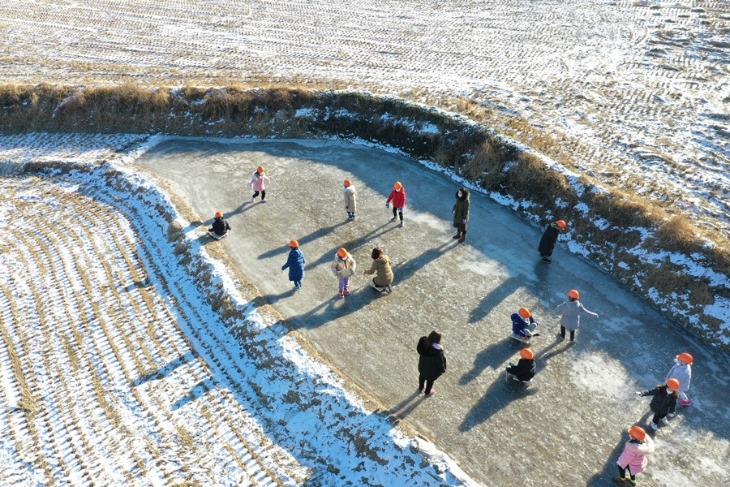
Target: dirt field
<point x="635" y="92"/>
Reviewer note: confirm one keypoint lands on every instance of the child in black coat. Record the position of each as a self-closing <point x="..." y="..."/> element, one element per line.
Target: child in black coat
<point x="524" y="371"/>
<point x="664" y="401"/>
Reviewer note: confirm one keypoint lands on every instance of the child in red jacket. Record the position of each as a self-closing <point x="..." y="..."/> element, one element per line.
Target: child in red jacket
<point x="398" y="197"/>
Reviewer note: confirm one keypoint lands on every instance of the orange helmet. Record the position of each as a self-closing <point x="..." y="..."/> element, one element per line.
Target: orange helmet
<point x="561" y="224"/>
<point x="294" y="244"/>
<point x="397" y="186"/>
<point x="341" y="252"/>
<point x="524" y="312"/>
<point x="218" y="214"/>
<point x="573" y="293"/>
<point x="348" y="183"/>
<point x="685" y="358"/>
<point x="673" y="384"/>
<point x="527" y="354"/>
<point x="260" y="169"/>
<point x="637" y="432"/>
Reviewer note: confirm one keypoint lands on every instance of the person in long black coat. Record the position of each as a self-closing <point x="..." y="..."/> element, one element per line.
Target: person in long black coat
<point x="549" y="237"/>
<point x="431" y="361"/>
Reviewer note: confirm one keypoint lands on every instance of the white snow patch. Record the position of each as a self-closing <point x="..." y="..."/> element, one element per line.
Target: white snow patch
<point x="599" y="373"/>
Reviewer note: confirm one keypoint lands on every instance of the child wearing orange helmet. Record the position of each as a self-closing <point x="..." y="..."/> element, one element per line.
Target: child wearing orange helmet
<point x="343" y="267"/>
<point x="570" y="313"/>
<point x="259" y="180"/>
<point x="295" y="263"/>
<point x="682" y="371"/>
<point x="524" y="371"/>
<point x="524" y="324"/>
<point x="549" y="237"/>
<point x="398" y="197"/>
<point x="633" y="458"/>
<point x="220" y="226"/>
<point x="664" y="401"/>
<point x="350" y="195"/>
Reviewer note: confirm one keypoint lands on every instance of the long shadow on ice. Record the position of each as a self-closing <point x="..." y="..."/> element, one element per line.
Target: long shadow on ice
<point x="303" y="241"/>
<point x="494" y="297"/>
<point x="350" y="245"/>
<point x="499" y="395"/>
<point x="491" y="357"/>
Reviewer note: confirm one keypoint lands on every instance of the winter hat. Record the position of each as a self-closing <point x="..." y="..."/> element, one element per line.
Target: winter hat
<point x="561" y="224"/>
<point x="637" y="432"/>
<point x="685" y="358"/>
<point x="260" y="169"/>
<point x="524" y="312"/>
<point x="397" y="186"/>
<point x="573" y="293"/>
<point x="218" y="214"/>
<point x="294" y="244"/>
<point x="342" y="253"/>
<point x="673" y="384"/>
<point x="527" y="354"/>
<point x="348" y="183"/>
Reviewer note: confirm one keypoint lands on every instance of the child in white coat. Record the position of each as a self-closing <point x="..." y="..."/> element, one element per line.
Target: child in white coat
<point x="682" y="371"/>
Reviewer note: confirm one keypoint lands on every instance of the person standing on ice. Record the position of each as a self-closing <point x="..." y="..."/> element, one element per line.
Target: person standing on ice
<point x="398" y="197"/>
<point x="220" y="226"/>
<point x="431" y="362"/>
<point x="663" y="403"/>
<point x="461" y="213"/>
<point x="633" y="458"/>
<point x="682" y="371"/>
<point x="382" y="270"/>
<point x="295" y="263"/>
<point x="524" y="371"/>
<point x="259" y="180"/>
<point x="549" y="237"/>
<point x="350" y="199"/>
<point x="571" y="312"/>
<point x="523" y="324"/>
<point x="343" y="267"/>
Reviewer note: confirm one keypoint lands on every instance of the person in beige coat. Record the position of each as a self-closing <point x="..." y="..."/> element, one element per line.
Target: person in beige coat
<point x="350" y="199"/>
<point x="343" y="267"/>
<point x="382" y="270"/>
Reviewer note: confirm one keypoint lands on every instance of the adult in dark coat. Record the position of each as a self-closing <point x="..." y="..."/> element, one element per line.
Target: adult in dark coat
<point x="664" y="401"/>
<point x="431" y="361"/>
<point x="461" y="213"/>
<point x="220" y="226"/>
<point x="547" y="242"/>
<point x="295" y="264"/>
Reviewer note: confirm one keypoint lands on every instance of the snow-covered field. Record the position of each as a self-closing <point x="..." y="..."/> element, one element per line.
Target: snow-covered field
<point x="116" y="371"/>
<point x="635" y="91"/>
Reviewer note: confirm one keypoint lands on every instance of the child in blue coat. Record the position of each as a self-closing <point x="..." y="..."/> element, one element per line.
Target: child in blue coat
<point x="524" y="325"/>
<point x="295" y="264"/>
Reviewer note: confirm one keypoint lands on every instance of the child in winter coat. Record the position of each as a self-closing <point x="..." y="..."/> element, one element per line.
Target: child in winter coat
<point x="350" y="199"/>
<point x="461" y="213"/>
<point x="383" y="272"/>
<point x="524" y="325"/>
<point x="633" y="459"/>
<point x="524" y="371"/>
<point x="343" y="267"/>
<point x="664" y="401"/>
<point x="431" y="362"/>
<point x="547" y="242"/>
<point x="570" y="314"/>
<point x="295" y="264"/>
<point x="682" y="371"/>
<point x="259" y="180"/>
<point x="398" y="197"/>
<point x="220" y="226"/>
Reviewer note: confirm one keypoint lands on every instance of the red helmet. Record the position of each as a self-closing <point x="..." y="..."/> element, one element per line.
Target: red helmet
<point x="637" y="432"/>
<point x="685" y="358"/>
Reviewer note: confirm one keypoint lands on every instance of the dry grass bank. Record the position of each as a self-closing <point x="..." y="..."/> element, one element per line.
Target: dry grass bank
<point x="469" y="148"/>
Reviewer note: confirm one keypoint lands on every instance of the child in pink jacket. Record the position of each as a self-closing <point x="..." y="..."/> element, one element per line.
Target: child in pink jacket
<point x="258" y="184"/>
<point x="398" y="197"/>
<point x="633" y="459"/>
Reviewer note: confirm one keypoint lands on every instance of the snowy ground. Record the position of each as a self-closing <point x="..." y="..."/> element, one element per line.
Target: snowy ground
<point x="636" y="91"/>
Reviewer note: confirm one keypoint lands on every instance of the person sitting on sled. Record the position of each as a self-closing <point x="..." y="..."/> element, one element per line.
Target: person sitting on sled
<point x="523" y="324"/>
<point x="524" y="371"/>
<point x="220" y="226"/>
